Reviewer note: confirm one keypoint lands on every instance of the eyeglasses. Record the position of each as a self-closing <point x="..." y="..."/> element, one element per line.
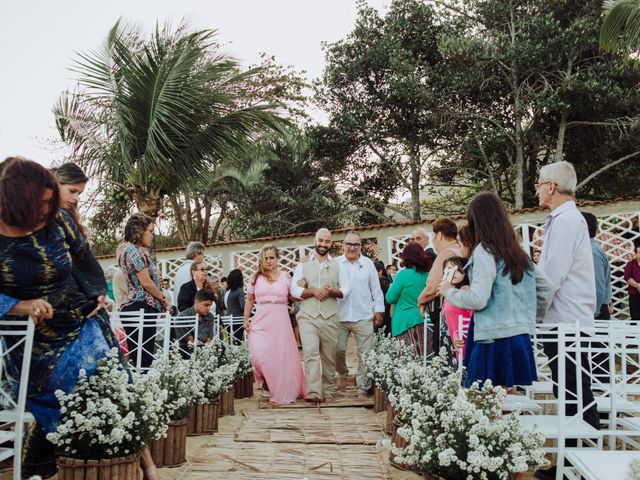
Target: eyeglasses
<point x="353" y="245"/>
<point x="202" y="269"/>
<point x="539" y="184"/>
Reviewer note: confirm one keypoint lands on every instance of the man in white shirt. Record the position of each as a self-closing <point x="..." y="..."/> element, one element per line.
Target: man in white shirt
<point x="567" y="260"/>
<point x="358" y="311"/>
<point x="194" y="253"/>
<point x="319" y="282"/>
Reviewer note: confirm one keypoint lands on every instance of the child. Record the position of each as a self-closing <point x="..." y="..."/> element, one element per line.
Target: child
<point x="452" y="313"/>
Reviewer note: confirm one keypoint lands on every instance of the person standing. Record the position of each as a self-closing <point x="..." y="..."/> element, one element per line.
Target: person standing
<point x="503" y="296"/>
<point x="234" y="301"/>
<point x="144" y="292"/>
<point x="358" y="312"/>
<point x="72" y="181"/>
<point x="194" y="253"/>
<point x="445" y="239"/>
<point x="567" y="260"/>
<point x="601" y="269"/>
<point x="272" y="345"/>
<point x="319" y="282"/>
<point x="50" y="274"/>
<point x="385" y="283"/>
<point x="407" y="323"/>
<point x="632" y="277"/>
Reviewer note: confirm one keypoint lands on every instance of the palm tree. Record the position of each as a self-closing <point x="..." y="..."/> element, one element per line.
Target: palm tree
<point x="156" y="115"/>
<point x="621" y="27"/>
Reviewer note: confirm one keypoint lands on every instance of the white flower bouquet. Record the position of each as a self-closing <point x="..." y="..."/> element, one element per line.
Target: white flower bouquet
<point x="109" y="414"/>
<point x="216" y="377"/>
<point x="182" y="382"/>
<point x="458" y="433"/>
<point x="382" y="362"/>
<point x="238" y="354"/>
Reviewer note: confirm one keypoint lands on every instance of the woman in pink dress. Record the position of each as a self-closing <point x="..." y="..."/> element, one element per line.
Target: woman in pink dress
<point x="272" y="344"/>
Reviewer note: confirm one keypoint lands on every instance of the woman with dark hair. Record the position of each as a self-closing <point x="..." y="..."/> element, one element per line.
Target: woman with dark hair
<point x="272" y="345"/>
<point x="385" y="283"/>
<point x="48" y="272"/>
<point x="466" y="241"/>
<point x="72" y="181"/>
<point x="142" y="284"/>
<point x="234" y="299"/>
<point x="406" y="322"/>
<point x="502" y="295"/>
<point x="199" y="274"/>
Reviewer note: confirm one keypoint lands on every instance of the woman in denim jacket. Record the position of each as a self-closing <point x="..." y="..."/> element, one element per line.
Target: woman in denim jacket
<point x="507" y="293"/>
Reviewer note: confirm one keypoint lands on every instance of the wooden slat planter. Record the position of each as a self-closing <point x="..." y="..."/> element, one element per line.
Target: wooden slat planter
<point x="171" y="451"/>
<point x="227" y="403"/>
<point x="203" y="419"/>
<point x="400" y="442"/>
<point x="249" y="380"/>
<point x="238" y="388"/>
<point x="122" y="468"/>
<point x="379" y="400"/>
<point x="391" y="415"/>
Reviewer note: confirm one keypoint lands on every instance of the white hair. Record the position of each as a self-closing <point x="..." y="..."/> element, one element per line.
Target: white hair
<point x="422" y="231"/>
<point x="562" y="174"/>
<point x="193" y="248"/>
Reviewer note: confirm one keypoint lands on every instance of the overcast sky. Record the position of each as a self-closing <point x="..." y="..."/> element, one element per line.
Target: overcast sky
<point x="39" y="39"/>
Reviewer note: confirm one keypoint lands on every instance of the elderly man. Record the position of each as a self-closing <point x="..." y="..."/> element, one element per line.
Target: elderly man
<point x="421" y="237"/>
<point x="319" y="282"/>
<point x="194" y="253"/>
<point x="358" y="311"/>
<point x="567" y="260"/>
<point x="445" y="234"/>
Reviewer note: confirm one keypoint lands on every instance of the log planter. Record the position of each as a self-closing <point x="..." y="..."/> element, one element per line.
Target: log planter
<point x="227" y="403"/>
<point x="171" y="451"/>
<point x="379" y="400"/>
<point x="238" y="388"/>
<point x="203" y="418"/>
<point x="391" y="415"/>
<point x="122" y="468"/>
<point x="244" y="386"/>
<point x="399" y="442"/>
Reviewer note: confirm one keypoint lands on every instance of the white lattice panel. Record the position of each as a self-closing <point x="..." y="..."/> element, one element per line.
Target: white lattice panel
<point x="247" y="261"/>
<point x="169" y="266"/>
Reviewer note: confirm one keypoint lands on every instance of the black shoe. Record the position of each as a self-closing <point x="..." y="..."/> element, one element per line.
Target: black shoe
<point x="549" y="474"/>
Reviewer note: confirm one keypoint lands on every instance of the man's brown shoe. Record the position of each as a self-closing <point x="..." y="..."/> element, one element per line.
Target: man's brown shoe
<point x="312" y="398"/>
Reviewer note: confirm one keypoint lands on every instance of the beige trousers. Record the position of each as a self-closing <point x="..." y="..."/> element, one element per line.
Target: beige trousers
<point x="363" y="333"/>
<point x="318" y="336"/>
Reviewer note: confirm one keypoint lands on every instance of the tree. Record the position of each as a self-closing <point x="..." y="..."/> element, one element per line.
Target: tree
<point x="382" y="87"/>
<point x="621" y="26"/>
<point x="155" y="115"/>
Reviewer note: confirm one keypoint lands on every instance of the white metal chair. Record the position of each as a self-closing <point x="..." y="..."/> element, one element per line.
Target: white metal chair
<point x="233" y="326"/>
<point x="147" y="336"/>
<point x="179" y="329"/>
<point x="594" y="465"/>
<point x="17" y="335"/>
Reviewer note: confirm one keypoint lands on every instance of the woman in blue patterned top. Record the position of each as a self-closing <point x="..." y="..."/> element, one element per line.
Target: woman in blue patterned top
<point x="47" y="271"/>
<point x="142" y="283"/>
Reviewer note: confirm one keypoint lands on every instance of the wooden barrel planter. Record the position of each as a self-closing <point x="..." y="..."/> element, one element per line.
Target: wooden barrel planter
<point x="122" y="468"/>
<point x="171" y="451"/>
<point x="227" y="403"/>
<point x="203" y="418"/>
<point x="399" y="442"/>
<point x="391" y="415"/>
<point x="379" y="400"/>
<point x="238" y="388"/>
<point x="249" y="380"/>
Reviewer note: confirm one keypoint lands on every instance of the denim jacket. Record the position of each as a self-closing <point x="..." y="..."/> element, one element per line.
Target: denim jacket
<point x="501" y="309"/>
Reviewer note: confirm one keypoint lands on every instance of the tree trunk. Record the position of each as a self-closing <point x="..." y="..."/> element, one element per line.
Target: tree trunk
<point x="177" y="215"/>
<point x="216" y="227"/>
<point x="189" y="217"/>
<point x="414" y="166"/>
<point x="207" y="220"/>
<point x="519" y="141"/>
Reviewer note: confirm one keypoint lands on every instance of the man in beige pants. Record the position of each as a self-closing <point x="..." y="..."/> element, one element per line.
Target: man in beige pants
<point x="319" y="283"/>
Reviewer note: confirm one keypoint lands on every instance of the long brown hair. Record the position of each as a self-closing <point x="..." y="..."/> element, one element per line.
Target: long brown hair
<point x="489" y="225"/>
<point x="69" y="174"/>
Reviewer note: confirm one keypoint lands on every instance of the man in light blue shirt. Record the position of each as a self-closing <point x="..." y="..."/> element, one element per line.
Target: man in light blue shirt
<point x="602" y="270"/>
<point x="567" y="260"/>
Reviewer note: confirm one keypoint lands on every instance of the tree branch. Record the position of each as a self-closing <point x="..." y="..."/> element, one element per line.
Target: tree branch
<point x="607" y="167"/>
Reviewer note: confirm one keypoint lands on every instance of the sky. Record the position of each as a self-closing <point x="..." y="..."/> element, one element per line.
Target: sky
<point x="39" y="40"/>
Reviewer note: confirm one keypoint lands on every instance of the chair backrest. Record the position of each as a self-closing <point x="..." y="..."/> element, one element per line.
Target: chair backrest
<point x="233" y="326"/>
<point x="180" y="328"/>
<point x="157" y="336"/>
<point x="17" y="343"/>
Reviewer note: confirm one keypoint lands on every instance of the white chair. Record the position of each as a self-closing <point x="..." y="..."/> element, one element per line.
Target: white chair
<point x="179" y="329"/>
<point x="593" y="465"/>
<point x="233" y="325"/>
<point x="147" y="336"/>
<point x="16" y="335"/>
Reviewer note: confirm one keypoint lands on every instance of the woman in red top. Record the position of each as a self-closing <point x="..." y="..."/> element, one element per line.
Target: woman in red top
<point x="632" y="277"/>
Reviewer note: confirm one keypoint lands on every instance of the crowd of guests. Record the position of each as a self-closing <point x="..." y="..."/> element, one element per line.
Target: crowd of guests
<point x="475" y="291"/>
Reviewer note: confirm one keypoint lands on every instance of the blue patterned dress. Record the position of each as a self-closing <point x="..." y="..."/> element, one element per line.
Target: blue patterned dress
<point x="56" y="264"/>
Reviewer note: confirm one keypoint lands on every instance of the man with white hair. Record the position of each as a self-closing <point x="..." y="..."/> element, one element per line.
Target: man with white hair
<point x="567" y="260"/>
<point x="194" y="253"/>
<point x="421" y="237"/>
<point x="319" y="282"/>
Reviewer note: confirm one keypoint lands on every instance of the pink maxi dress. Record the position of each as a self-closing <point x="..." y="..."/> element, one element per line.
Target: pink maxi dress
<point x="272" y="344"/>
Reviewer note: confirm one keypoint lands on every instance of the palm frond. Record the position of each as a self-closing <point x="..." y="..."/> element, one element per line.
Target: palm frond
<point x="621" y="26"/>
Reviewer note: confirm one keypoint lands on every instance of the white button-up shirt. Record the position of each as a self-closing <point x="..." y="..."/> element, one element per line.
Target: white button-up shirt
<point x="366" y="295"/>
<point x="298" y="274"/>
<point x="567" y="260"/>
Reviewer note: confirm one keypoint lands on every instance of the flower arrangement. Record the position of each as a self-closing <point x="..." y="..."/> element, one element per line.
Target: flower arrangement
<point x="455" y="432"/>
<point x="238" y="354"/>
<point x="384" y="358"/>
<point x="216" y="377"/>
<point x="182" y="382"/>
<point x="634" y="470"/>
<point x="107" y="415"/>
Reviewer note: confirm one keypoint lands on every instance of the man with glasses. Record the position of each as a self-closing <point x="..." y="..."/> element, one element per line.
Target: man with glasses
<point x="194" y="253"/>
<point x="363" y="307"/>
<point x="567" y="260"/>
